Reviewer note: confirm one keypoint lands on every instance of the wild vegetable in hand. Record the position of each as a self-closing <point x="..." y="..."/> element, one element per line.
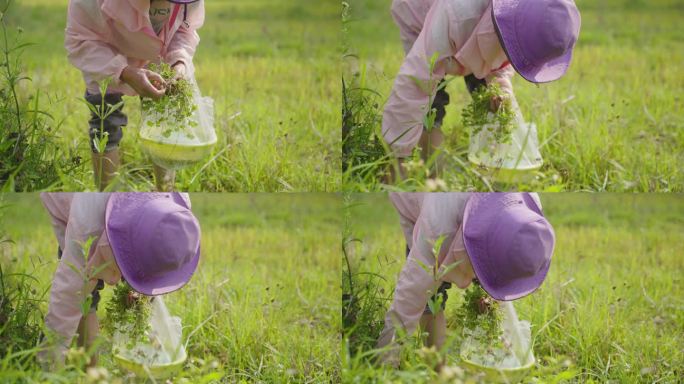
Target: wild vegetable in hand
<point x="175" y="108"/>
<point x="478" y="113"/>
<point x="128" y="312"/>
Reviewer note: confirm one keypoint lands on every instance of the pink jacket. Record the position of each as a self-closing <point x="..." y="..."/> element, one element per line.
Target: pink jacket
<point x="77" y="217"/>
<point x="105" y="36"/>
<point x="425" y="217"/>
<point x="462" y="33"/>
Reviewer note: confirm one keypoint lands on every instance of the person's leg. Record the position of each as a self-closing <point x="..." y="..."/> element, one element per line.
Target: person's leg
<point x="106" y="157"/>
<point x="433" y="137"/>
<point x="439" y="104"/>
<point x="88" y="330"/>
<point x="409" y="16"/>
<point x="473" y="83"/>
<point x="105" y="167"/>
<point x="165" y="179"/>
<point x="89" y="326"/>
<point x="397" y="173"/>
<point x="430" y="142"/>
<point x="435" y="324"/>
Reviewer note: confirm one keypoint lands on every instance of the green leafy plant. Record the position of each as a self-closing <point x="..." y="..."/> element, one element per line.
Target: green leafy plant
<point x="30" y="156"/>
<point x="478" y="114"/>
<point x="438" y="271"/>
<point x="481" y="319"/>
<point x="128" y="312"/>
<point x="481" y="310"/>
<point x="364" y="300"/>
<point x="20" y="315"/>
<point x="173" y="110"/>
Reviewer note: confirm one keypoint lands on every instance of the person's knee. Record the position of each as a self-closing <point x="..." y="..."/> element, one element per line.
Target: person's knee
<point x="96" y="296"/>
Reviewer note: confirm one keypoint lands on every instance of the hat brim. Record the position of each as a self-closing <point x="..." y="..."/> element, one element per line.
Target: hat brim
<point x="479" y="210"/>
<point x="504" y="24"/>
<point x="117" y="224"/>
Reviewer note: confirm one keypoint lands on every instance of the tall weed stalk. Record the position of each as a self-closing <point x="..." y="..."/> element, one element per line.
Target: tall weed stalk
<point x="30" y="158"/>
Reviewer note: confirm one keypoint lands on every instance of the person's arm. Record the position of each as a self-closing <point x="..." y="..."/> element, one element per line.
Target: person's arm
<point x="416" y="84"/>
<point x="85" y="45"/>
<point x="407" y="205"/>
<point x="415" y="285"/>
<point x="414" y="288"/>
<point x="441" y="215"/>
<point x="88" y="51"/>
<point x="184" y="42"/>
<point x="68" y="292"/>
<point x="503" y="77"/>
<point x="70" y="286"/>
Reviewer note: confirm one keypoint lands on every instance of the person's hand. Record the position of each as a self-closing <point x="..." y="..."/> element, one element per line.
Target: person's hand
<point x="145" y="82"/>
<point x="495" y="103"/>
<point x="485" y="305"/>
<point x="180" y="69"/>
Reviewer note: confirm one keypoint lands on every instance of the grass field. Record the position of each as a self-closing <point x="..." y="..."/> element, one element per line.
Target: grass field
<point x="610" y="311"/>
<point x="614" y="122"/>
<point x="271" y="67"/>
<point x="264" y="300"/>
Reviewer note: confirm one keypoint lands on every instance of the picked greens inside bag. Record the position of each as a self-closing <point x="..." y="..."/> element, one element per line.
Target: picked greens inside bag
<point x="498" y="339"/>
<point x="501" y="140"/>
<point x="143" y="332"/>
<point x="178" y="129"/>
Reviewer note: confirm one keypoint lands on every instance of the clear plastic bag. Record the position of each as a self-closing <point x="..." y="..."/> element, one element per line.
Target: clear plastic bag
<point x="518" y="333"/>
<point x="515" y="350"/>
<point x="175" y="144"/>
<point x="520" y="153"/>
<point x="162" y="354"/>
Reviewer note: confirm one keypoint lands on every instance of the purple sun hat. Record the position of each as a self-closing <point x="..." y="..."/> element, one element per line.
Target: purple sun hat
<point x="155" y="240"/>
<point x="509" y="243"/>
<point x="538" y="36"/>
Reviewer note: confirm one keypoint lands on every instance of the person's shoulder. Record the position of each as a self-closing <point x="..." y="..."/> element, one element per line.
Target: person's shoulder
<point x="468" y="9"/>
<point x="444" y="211"/>
<point x="88" y="211"/>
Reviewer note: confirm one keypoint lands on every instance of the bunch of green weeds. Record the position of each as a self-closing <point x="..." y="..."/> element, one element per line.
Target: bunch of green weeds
<point x="128" y="312"/>
<point x="478" y="114"/>
<point x="176" y="107"/>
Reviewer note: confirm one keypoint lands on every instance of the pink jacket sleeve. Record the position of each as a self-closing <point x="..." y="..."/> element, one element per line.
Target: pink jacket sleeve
<point x="69" y="288"/>
<point x="416" y="84"/>
<point x="503" y="77"/>
<point x="409" y="15"/>
<point x="184" y="42"/>
<point x="441" y="215"/>
<point x="86" y="47"/>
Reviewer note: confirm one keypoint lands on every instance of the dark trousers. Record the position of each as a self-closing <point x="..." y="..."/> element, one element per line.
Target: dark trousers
<point x="111" y="126"/>
<point x="441" y="99"/>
